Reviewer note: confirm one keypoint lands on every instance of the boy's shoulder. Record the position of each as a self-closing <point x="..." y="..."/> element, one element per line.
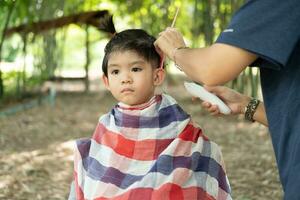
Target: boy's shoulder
<point x="83" y="144"/>
<point x="105" y="118"/>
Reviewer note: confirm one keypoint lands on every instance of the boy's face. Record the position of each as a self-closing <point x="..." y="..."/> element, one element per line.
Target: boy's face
<point x="130" y="78"/>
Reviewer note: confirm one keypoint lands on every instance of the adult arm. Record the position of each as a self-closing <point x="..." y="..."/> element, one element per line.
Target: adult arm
<point x="213" y="65"/>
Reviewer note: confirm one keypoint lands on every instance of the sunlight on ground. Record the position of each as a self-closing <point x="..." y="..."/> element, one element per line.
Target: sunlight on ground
<point x="29" y="163"/>
<point x="37" y="146"/>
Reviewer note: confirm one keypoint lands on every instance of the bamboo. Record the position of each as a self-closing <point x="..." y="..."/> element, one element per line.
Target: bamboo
<point x="1" y="44"/>
<point x="87" y="56"/>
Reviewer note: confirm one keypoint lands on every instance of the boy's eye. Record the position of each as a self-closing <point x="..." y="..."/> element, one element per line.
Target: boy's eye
<point x="136" y="69"/>
<point x="114" y="72"/>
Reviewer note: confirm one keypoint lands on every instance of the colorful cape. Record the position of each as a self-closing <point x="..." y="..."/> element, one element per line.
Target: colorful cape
<point x="150" y="152"/>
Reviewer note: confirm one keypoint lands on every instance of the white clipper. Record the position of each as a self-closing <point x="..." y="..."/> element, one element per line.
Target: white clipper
<point x="199" y="91"/>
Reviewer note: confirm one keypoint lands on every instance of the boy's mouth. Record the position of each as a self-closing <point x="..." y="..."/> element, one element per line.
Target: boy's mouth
<point x="127" y="90"/>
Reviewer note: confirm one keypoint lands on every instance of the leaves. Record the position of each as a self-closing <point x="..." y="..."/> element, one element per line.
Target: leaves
<point x="199" y="21"/>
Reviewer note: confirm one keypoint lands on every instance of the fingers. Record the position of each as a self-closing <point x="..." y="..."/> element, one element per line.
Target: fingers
<point x="168" y="40"/>
<point x="171" y="35"/>
<point x="169" y="32"/>
<point x="213" y="109"/>
<point x="163" y="45"/>
<point x="175" y="36"/>
<point x="195" y="99"/>
<point x="171" y="29"/>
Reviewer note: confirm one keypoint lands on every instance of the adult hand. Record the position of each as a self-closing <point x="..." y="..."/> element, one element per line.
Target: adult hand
<point x="234" y="100"/>
<point x="168" y="41"/>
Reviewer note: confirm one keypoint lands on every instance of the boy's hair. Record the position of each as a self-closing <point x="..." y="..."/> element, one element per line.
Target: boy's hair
<point x="136" y="40"/>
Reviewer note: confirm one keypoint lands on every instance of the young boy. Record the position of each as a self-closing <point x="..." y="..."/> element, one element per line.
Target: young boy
<point x="146" y="147"/>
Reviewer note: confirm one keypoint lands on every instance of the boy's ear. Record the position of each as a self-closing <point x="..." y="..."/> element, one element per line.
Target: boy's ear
<point x="159" y="76"/>
<point x="105" y="81"/>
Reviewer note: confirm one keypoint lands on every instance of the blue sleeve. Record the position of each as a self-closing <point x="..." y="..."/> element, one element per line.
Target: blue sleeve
<point x="268" y="28"/>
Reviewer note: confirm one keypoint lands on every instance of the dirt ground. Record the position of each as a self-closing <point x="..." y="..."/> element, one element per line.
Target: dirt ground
<point x="36" y="147"/>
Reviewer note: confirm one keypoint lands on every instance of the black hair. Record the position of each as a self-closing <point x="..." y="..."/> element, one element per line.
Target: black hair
<point x="136" y="40"/>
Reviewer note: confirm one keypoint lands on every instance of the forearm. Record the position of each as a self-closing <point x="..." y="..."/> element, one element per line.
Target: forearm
<point x="214" y="65"/>
<point x="195" y="64"/>
<point x="259" y="114"/>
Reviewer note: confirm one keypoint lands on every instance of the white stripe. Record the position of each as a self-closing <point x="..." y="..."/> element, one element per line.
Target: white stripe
<point x="106" y="156"/>
<point x="93" y="189"/>
<point x="168" y="132"/>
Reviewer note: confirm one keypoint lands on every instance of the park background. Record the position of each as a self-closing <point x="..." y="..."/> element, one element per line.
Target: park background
<point x="51" y="92"/>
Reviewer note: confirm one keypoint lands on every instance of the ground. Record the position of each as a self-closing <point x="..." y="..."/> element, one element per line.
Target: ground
<point x="36" y="147"/>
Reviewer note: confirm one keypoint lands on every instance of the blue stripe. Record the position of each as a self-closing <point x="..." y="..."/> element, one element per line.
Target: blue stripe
<point x="83" y="146"/>
<point x="165" y="164"/>
<point x="166" y="115"/>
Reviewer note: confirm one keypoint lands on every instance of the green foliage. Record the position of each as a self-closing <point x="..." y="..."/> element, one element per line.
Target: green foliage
<point x="12" y="49"/>
<point x="199" y="21"/>
<point x="10" y="53"/>
<point x="11" y="82"/>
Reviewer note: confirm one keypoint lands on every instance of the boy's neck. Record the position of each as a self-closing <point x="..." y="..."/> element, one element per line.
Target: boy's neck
<point x="153" y="99"/>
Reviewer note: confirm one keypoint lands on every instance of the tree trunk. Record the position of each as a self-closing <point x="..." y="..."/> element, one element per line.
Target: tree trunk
<point x="208" y="22"/>
<point x="92" y="18"/>
<point x="50" y="54"/>
<point x="196" y="28"/>
<point x="88" y="59"/>
<point x="23" y="91"/>
<point x="1" y="44"/>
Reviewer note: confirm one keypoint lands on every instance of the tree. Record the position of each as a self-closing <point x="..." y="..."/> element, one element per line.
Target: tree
<point x="10" y="5"/>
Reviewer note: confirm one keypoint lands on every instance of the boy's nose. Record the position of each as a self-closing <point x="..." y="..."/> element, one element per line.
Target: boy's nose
<point x="126" y="79"/>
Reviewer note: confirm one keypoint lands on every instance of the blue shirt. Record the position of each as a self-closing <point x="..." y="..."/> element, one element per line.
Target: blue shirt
<point x="271" y="29"/>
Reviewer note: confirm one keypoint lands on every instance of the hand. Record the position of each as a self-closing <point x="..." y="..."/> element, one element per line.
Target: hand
<point x="169" y="40"/>
<point x="234" y="100"/>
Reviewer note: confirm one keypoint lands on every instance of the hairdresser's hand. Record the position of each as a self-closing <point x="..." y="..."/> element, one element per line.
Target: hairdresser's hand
<point x="233" y="99"/>
<point x="169" y="40"/>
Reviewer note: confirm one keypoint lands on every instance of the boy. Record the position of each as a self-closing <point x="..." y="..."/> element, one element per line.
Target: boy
<point x="146" y="147"/>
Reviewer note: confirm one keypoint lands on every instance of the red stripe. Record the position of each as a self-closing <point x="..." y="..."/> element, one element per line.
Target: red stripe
<point x="148" y="149"/>
<point x="167" y="191"/>
<point x="175" y="192"/>
<point x="191" y="133"/>
<point x="79" y="193"/>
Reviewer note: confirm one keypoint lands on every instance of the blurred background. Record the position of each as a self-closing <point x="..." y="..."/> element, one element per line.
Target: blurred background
<point x="51" y="93"/>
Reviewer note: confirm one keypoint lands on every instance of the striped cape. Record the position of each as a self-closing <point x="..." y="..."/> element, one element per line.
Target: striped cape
<point x="150" y="152"/>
